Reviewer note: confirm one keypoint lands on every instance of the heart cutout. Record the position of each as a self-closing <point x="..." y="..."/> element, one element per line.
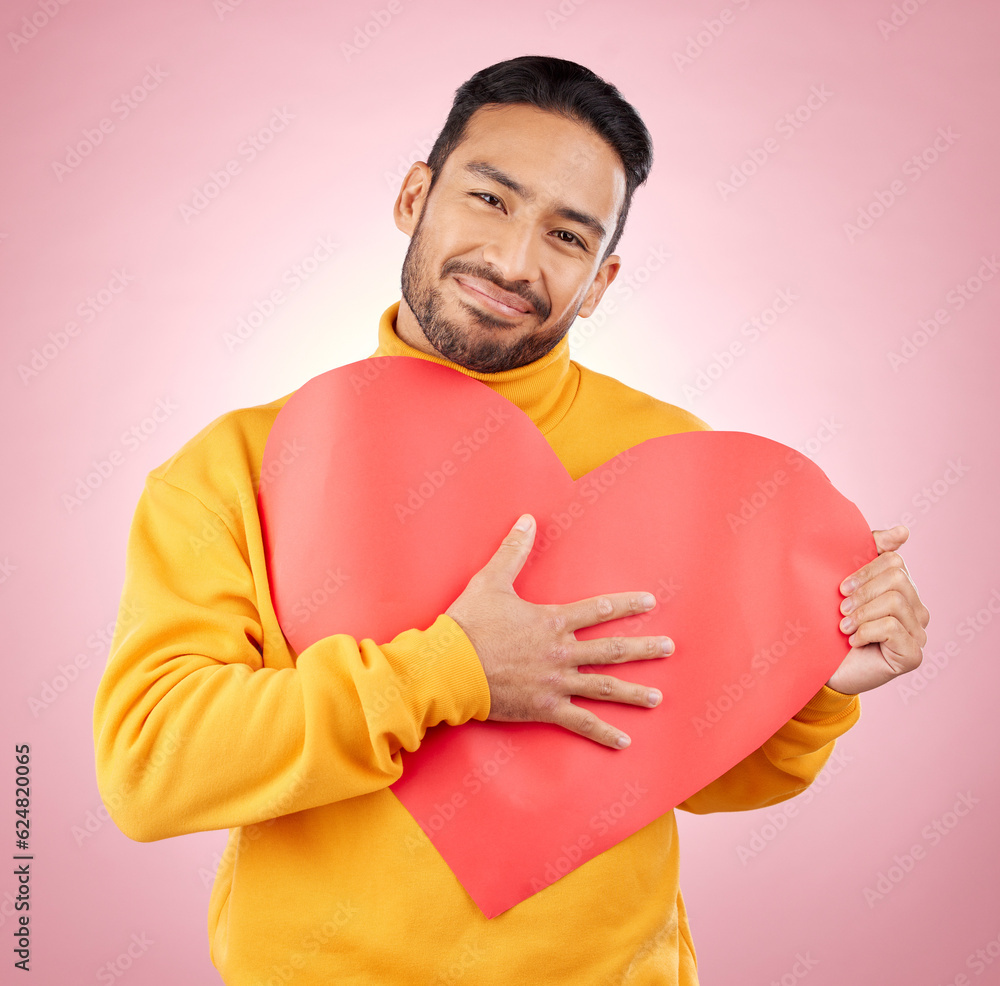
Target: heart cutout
<point x="412" y="475"/>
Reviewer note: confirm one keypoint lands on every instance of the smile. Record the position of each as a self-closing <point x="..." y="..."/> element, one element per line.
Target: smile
<point x="491" y="297"/>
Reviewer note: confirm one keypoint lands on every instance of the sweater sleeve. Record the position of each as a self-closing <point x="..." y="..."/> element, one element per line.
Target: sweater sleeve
<point x="787" y="763"/>
<point x="205" y="719"/>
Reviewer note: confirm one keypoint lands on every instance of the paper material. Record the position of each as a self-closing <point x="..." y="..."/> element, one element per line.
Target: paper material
<point x="412" y="475"/>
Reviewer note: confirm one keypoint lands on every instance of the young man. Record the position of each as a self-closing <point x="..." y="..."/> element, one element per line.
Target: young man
<point x="205" y="718"/>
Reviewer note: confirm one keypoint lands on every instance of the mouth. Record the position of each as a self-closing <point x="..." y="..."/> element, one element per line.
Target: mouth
<point x="490" y="296"/>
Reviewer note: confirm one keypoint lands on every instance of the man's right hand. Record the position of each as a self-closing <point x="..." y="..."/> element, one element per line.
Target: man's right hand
<point x="531" y="655"/>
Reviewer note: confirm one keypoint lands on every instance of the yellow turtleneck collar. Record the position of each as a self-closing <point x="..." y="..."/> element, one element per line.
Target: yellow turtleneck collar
<point x="543" y="389"/>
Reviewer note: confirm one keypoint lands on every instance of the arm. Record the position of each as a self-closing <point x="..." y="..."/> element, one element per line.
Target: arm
<point x="204" y="719"/>
<point x="787" y="763"/>
<point x="887" y="624"/>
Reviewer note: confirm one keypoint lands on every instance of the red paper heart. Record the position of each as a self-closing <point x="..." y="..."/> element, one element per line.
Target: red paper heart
<point x="412" y="475"/>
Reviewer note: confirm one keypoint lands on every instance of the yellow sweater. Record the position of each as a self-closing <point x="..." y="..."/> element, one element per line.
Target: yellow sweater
<point x="206" y="719"/>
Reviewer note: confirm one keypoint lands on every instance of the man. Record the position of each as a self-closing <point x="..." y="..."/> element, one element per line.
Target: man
<point x="206" y="719"/>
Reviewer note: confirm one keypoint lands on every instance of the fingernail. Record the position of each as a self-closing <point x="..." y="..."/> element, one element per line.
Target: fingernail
<point x="847" y="605"/>
<point x="523" y="523"/>
<point x="655" y="697"/>
<point x="667" y="646"/>
<point x="849" y="585"/>
<point x="847" y="624"/>
<point x="648" y="600"/>
<point x="623" y="741"/>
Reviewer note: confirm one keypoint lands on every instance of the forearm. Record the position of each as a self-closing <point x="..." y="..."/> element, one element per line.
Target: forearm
<point x="205" y="719"/>
<point x="787" y="763"/>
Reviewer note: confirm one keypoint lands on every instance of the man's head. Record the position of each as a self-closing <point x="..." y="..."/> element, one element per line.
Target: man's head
<point x="532" y="177"/>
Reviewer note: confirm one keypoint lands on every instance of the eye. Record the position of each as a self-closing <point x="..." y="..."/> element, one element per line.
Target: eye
<point x="573" y="238"/>
<point x="487" y="195"/>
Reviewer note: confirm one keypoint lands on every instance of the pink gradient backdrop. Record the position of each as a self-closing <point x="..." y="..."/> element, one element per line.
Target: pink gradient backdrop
<point x="820" y="378"/>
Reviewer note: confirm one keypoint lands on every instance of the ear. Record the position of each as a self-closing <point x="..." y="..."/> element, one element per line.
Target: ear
<point x="607" y="272"/>
<point x="412" y="196"/>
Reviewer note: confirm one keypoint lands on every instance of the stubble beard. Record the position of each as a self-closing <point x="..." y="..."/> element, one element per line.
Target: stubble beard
<point x="492" y="354"/>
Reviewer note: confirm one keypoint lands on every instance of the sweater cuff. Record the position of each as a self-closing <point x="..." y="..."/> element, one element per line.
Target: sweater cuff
<point x="443" y="676"/>
<point x="828" y="704"/>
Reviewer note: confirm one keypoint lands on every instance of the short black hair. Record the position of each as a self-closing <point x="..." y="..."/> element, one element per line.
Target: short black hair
<point x="559" y="86"/>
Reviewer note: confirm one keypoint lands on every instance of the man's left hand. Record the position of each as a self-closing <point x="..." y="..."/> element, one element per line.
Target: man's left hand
<point x="884" y="617"/>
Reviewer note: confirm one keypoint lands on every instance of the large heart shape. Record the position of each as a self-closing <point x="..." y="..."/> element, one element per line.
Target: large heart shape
<point x="411" y="476"/>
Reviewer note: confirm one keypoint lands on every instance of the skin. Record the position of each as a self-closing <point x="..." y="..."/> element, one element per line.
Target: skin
<point x="509" y="219"/>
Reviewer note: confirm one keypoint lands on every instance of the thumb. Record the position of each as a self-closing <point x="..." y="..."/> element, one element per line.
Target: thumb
<point x="509" y="558"/>
<point x="891" y="538"/>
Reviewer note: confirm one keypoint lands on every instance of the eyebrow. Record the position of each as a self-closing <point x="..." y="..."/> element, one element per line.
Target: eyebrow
<point x="563" y="211"/>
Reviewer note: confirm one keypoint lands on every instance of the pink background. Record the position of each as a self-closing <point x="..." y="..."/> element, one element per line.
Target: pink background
<point x="916" y="438"/>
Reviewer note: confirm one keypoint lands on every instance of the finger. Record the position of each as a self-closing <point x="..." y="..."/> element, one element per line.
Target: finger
<point x="583" y="722"/>
<point x="600" y="609"/>
<point x="904" y="653"/>
<point x="887" y="540"/>
<point x="891" y="538"/>
<point x="509" y="558"/>
<point x="618" y="650"/>
<point x="885" y="561"/>
<point x="606" y="688"/>
<point x="893" y="578"/>
<point x="891" y="603"/>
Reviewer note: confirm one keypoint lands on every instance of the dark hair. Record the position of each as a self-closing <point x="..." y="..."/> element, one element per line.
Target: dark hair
<point x="559" y="86"/>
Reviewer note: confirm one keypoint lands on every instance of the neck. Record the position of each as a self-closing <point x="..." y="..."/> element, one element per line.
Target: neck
<point x="543" y="389"/>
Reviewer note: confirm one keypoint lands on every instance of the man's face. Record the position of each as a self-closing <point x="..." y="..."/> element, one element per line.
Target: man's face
<point x="506" y="250"/>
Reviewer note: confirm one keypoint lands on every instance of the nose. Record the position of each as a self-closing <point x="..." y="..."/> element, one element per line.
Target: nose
<point x="513" y="249"/>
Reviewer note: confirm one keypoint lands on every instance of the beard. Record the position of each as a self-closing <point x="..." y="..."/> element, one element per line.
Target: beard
<point x="486" y="351"/>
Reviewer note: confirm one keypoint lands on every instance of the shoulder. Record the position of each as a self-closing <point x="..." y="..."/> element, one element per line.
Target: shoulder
<point x="223" y="458"/>
<point x="647" y="413"/>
